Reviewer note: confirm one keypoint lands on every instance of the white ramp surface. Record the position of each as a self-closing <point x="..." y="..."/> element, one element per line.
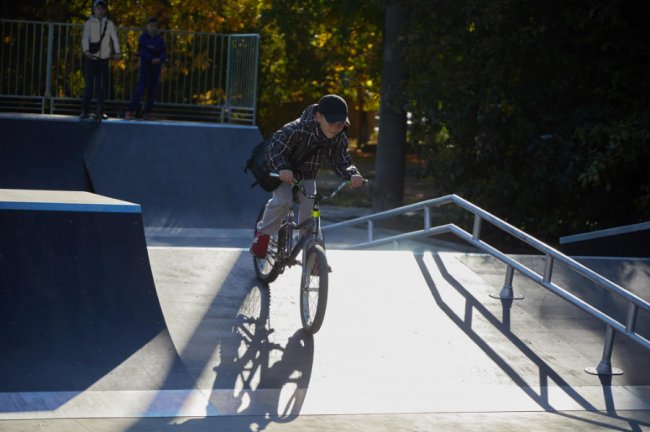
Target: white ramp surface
<point x="403" y="333"/>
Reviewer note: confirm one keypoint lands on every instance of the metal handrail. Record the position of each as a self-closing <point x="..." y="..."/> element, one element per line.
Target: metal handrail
<point x="551" y="256"/>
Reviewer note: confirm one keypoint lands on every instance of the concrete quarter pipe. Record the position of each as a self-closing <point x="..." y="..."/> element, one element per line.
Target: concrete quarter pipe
<point x="77" y="298"/>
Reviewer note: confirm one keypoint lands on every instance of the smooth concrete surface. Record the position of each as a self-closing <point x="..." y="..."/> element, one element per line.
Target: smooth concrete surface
<point x="44" y="152"/>
<point x="182" y="174"/>
<point x="78" y="305"/>
<point x="411" y="341"/>
<point x="586" y="333"/>
<point x="583" y="421"/>
<point x="56" y="200"/>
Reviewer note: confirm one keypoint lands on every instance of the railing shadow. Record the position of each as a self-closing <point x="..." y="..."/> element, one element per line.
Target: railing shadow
<point x="631" y="273"/>
<point x="546" y="372"/>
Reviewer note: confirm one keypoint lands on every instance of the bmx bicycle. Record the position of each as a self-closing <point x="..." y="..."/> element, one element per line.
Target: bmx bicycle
<point x="283" y="252"/>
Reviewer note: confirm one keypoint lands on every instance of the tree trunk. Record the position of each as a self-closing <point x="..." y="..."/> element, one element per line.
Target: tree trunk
<point x="363" y="130"/>
<point x="388" y="191"/>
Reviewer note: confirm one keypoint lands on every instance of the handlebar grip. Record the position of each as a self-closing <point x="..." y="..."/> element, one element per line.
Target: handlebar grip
<point x="277" y="175"/>
<point x="364" y="182"/>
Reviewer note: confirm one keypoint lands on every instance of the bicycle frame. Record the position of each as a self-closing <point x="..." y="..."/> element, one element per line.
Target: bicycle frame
<point x="283" y="253"/>
<point x="314" y="221"/>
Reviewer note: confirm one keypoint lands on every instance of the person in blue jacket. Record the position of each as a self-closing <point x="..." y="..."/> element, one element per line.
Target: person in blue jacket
<point x="152" y="52"/>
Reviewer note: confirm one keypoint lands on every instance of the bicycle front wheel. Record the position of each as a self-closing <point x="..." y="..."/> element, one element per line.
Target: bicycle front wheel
<point x="313" y="288"/>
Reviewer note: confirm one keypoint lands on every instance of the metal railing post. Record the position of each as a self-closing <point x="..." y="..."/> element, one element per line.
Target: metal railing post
<point x="548" y="268"/>
<point x="507" y="293"/>
<point x="227" y="93"/>
<point x="255" y="69"/>
<point x="605" y="365"/>
<point x="371" y="228"/>
<point x="48" y="68"/>
<point x="476" y="232"/>
<point x="631" y="317"/>
<point x="427" y="218"/>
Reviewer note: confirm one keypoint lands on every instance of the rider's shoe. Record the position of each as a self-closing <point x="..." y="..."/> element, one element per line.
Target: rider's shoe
<point x="260" y="244"/>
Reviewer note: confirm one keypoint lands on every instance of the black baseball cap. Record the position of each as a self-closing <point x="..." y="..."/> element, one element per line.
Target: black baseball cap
<point x="333" y="108"/>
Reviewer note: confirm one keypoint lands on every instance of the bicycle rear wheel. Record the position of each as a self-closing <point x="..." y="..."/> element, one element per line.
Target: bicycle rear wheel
<point x="269" y="268"/>
<point x="313" y="289"/>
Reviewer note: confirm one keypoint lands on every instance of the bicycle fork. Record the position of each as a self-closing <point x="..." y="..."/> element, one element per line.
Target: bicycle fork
<point x="303" y="241"/>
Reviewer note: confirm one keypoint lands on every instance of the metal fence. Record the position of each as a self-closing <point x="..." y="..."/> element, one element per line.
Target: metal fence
<point x="207" y="76"/>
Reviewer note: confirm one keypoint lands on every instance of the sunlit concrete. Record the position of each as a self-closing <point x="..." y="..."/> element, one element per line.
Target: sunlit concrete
<point x="411" y="341"/>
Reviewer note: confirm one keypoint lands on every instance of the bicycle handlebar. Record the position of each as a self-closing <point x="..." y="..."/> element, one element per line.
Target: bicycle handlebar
<point x="298" y="184"/>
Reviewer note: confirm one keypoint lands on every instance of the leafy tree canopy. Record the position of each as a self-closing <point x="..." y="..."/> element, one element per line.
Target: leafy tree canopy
<point x="307" y="50"/>
<point x="536" y="111"/>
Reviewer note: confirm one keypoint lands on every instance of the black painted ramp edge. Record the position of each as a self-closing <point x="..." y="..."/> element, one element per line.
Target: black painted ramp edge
<point x="189" y="177"/>
<point x="78" y="305"/>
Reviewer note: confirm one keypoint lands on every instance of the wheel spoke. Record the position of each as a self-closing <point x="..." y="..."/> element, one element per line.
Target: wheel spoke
<point x="311" y="290"/>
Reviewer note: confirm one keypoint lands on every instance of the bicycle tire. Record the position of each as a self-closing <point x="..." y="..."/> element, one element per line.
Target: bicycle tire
<point x="313" y="288"/>
<point x="269" y="268"/>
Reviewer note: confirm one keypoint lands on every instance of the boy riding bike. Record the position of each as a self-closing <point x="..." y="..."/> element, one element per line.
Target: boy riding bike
<point x="297" y="151"/>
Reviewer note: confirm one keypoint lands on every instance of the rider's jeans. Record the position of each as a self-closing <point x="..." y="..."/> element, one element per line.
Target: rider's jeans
<point x="280" y="204"/>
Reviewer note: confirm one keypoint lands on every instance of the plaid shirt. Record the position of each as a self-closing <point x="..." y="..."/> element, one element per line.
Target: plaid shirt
<point x="302" y="147"/>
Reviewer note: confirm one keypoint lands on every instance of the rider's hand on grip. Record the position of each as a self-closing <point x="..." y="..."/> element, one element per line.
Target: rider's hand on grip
<point x="286" y="176"/>
<point x="357" y="181"/>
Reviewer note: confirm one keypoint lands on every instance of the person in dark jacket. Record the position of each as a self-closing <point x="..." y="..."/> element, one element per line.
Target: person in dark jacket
<point x="297" y="151"/>
<point x="152" y="52"/>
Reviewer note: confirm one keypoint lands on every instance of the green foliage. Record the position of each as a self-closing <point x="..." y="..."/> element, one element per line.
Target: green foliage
<point x="537" y="111"/>
<point x="307" y="49"/>
<point x="317" y="47"/>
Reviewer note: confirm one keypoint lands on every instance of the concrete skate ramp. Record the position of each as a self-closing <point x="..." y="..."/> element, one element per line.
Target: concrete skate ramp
<point x="78" y="305"/>
<point x="404" y="332"/>
<point x="43" y="152"/>
<point x="409" y="340"/>
<point x="184" y="175"/>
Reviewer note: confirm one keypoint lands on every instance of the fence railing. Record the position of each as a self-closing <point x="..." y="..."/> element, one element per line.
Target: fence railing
<point x="207" y="76"/>
<point x="634" y="303"/>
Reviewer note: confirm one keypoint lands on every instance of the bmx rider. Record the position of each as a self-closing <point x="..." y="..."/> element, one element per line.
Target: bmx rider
<point x="297" y="151"/>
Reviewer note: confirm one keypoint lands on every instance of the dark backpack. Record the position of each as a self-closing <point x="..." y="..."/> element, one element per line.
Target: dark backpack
<point x="256" y="164"/>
